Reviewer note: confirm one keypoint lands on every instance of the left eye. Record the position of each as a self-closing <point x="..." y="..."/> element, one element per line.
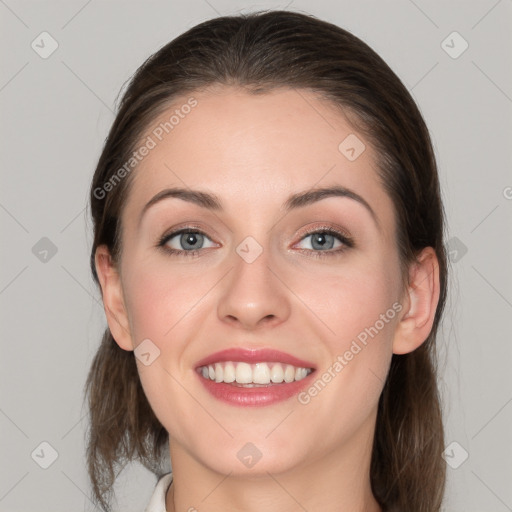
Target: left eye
<point x="324" y="240"/>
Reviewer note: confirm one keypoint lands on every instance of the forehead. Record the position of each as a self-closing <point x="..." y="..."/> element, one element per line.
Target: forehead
<point x="256" y="149"/>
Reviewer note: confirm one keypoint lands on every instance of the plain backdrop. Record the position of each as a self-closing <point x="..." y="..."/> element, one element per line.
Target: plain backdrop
<point x="55" y="114"/>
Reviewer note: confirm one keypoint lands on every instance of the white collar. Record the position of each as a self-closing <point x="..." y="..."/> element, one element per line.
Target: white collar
<point x="157" y="501"/>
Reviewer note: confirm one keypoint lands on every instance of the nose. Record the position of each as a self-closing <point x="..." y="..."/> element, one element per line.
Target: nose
<point x="253" y="295"/>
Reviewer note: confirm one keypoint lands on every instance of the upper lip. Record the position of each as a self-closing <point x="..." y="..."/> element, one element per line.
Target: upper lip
<point x="237" y="354"/>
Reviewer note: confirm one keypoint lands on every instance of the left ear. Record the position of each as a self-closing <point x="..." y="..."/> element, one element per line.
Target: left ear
<point x="420" y="303"/>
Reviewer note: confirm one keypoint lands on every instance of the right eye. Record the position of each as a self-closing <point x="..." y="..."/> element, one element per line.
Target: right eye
<point x="187" y="239"/>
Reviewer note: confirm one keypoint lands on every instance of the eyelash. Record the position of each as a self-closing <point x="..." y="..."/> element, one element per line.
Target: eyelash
<point x="347" y="242"/>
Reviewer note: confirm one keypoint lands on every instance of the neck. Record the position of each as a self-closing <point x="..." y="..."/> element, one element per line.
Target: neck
<point x="334" y="482"/>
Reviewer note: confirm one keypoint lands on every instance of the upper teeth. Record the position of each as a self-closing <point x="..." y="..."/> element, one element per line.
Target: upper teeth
<point x="259" y="373"/>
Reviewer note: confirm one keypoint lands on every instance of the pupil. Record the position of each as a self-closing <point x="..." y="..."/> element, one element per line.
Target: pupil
<point x="189" y="239"/>
<point x="320" y="241"/>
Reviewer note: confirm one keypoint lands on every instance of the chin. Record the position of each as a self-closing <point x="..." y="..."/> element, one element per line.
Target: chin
<point x="243" y="458"/>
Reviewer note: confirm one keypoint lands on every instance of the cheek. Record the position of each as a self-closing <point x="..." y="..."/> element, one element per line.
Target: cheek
<point x="349" y="384"/>
<point x="158" y="298"/>
<point x="361" y="309"/>
<point x="353" y="299"/>
<point x="367" y="319"/>
<point x="161" y="303"/>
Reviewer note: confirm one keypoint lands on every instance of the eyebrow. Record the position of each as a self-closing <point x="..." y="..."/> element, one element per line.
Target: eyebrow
<point x="299" y="200"/>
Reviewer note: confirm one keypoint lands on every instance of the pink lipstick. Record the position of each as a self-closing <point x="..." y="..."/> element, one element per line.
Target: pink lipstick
<point x="256" y="377"/>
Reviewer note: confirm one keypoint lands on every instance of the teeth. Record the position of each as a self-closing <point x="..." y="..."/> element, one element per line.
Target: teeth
<point x="250" y="374"/>
<point x="277" y="373"/>
<point x="229" y="373"/>
<point x="243" y="373"/>
<point x="289" y="373"/>
<point x="219" y="373"/>
<point x="261" y="374"/>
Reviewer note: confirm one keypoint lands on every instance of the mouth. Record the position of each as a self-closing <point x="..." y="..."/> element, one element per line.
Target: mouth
<point x="253" y="377"/>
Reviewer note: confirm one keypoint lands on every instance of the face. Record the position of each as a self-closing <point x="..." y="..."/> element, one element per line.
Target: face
<point x="317" y="280"/>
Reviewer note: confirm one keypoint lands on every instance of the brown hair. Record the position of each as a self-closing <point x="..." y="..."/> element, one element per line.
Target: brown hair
<point x="259" y="52"/>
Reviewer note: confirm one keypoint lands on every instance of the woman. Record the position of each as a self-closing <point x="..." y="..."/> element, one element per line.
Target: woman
<point x="268" y="239"/>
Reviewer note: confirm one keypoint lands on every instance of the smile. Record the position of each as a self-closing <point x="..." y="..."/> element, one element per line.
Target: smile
<point x="250" y="375"/>
<point x="253" y="377"/>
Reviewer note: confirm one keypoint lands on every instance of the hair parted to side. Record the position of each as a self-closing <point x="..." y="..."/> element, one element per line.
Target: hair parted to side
<point x="259" y="52"/>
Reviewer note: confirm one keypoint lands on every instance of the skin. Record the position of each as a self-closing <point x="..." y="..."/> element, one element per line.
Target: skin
<point x="253" y="152"/>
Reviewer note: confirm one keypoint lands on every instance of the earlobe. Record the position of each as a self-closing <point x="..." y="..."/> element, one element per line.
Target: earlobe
<point x="113" y="302"/>
<point x="422" y="297"/>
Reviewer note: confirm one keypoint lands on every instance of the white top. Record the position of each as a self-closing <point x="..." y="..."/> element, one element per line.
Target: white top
<point x="157" y="501"/>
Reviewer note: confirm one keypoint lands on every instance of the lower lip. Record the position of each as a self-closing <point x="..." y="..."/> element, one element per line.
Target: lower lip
<point x="256" y="396"/>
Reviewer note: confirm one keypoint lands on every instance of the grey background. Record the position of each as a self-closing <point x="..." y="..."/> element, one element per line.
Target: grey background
<point x="55" y="114"/>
